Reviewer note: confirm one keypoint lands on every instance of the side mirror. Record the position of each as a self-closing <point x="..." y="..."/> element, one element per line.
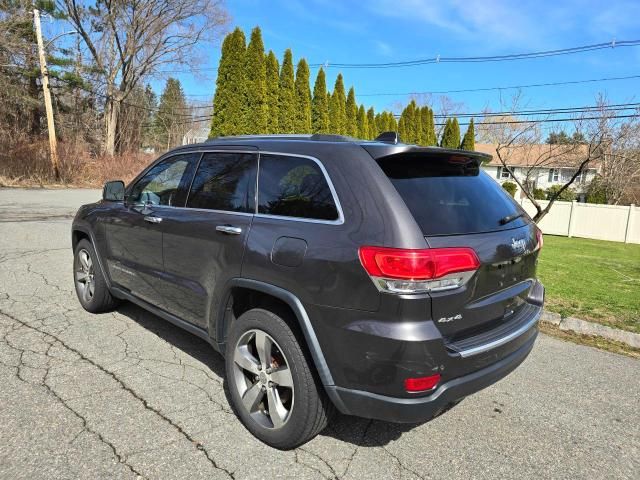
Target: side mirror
<point x="113" y="191"/>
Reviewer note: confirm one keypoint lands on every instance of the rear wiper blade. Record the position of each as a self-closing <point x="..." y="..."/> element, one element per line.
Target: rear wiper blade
<point x="510" y="218"/>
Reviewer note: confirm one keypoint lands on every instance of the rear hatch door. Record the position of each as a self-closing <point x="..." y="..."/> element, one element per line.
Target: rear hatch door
<point x="456" y="204"/>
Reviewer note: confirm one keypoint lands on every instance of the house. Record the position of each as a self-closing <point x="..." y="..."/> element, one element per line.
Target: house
<point x="195" y="135"/>
<point x="540" y="166"/>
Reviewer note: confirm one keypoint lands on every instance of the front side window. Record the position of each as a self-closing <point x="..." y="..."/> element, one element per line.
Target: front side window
<point x="294" y="187"/>
<point x="225" y="181"/>
<point x="554" y="175"/>
<point x="166" y="183"/>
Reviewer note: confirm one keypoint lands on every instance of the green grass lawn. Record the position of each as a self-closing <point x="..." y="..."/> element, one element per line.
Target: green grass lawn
<point x="593" y="280"/>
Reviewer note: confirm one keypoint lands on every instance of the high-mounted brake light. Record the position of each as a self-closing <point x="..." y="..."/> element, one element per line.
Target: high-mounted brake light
<point x="421" y="384"/>
<point x="398" y="270"/>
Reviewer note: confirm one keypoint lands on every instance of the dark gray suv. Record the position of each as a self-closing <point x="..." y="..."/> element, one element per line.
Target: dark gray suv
<point x="383" y="280"/>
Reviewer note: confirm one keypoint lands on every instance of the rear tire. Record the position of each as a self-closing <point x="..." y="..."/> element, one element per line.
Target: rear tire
<point x="272" y="387"/>
<point x="88" y="278"/>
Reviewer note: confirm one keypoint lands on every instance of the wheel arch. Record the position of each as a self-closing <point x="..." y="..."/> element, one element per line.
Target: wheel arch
<point x="266" y="295"/>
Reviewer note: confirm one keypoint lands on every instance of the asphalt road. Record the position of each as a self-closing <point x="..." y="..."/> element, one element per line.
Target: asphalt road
<point x="126" y="395"/>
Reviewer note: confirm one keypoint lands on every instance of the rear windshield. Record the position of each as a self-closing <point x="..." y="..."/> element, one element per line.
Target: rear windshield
<point x="449" y="196"/>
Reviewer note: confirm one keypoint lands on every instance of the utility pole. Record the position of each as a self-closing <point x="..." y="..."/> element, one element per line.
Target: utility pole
<point x="51" y="128"/>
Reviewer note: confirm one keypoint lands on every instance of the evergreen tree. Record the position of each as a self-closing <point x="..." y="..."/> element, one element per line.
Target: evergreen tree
<point x="351" y="114"/>
<point x="432" y="139"/>
<point x="169" y="122"/>
<point x="424" y="123"/>
<point x="371" y="124"/>
<point x="392" y="123"/>
<point x="402" y="129"/>
<point x="337" y="108"/>
<point x="320" y="105"/>
<point x="229" y="102"/>
<point x="256" y="110"/>
<point x="272" y="70"/>
<point x="451" y="134"/>
<point x="287" y="96"/>
<point x="303" y="99"/>
<point x="469" y="140"/>
<point x="363" y="127"/>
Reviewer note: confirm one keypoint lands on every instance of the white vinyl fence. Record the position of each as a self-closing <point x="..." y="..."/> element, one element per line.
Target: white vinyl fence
<point x="586" y="220"/>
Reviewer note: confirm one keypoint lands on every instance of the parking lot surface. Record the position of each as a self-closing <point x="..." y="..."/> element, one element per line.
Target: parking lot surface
<point x="127" y="395"/>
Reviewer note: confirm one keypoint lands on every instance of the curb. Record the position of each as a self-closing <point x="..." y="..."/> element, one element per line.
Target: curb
<point x="589" y="328"/>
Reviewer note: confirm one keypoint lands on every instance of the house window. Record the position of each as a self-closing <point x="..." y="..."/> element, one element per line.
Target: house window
<point x="503" y="173"/>
<point x="554" y="175"/>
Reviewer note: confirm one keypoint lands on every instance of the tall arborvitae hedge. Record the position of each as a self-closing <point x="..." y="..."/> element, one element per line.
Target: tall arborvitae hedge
<point x="272" y="91"/>
<point x="256" y="81"/>
<point x="372" y="131"/>
<point x="303" y="99"/>
<point x="363" y="127"/>
<point x="469" y="140"/>
<point x="337" y="108"/>
<point x="320" y="105"/>
<point x="254" y="95"/>
<point x="230" y="100"/>
<point x="351" y="114"/>
<point x="287" y="95"/>
<point x="451" y="134"/>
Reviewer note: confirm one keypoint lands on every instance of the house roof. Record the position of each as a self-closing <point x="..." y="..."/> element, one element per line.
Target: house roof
<point x="537" y="155"/>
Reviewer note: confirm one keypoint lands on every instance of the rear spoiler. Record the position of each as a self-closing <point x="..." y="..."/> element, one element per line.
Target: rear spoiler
<point x="380" y="150"/>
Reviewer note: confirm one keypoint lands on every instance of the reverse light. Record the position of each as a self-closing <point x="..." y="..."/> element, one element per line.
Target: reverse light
<point x="421" y="384"/>
<point x="406" y="271"/>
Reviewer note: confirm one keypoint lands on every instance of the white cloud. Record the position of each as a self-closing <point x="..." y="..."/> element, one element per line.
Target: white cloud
<point x="383" y="48"/>
<point x="530" y="23"/>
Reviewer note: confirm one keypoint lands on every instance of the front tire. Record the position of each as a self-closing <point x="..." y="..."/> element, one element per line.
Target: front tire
<point x="88" y="278"/>
<point x="272" y="387"/>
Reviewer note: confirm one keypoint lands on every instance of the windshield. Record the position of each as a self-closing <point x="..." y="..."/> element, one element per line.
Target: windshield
<point x="447" y="197"/>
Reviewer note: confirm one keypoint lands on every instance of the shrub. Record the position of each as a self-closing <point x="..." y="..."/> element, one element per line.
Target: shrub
<point x="510" y="187"/>
<point x="569" y="195"/>
<point x="596" y="193"/>
<point x="539" y="194"/>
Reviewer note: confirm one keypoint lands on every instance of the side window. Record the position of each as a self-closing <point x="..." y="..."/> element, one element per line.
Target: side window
<point x="167" y="182"/>
<point x="225" y="181"/>
<point x="294" y="187"/>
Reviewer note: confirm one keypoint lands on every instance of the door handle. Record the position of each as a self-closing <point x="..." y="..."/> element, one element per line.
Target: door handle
<point x="229" y="229"/>
<point x="151" y="219"/>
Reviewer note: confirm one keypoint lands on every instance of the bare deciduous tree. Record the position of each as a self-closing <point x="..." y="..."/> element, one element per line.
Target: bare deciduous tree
<point x="130" y="40"/>
<point x="512" y="136"/>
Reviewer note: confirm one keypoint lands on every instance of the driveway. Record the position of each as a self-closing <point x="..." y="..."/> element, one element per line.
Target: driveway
<point x="127" y="395"/>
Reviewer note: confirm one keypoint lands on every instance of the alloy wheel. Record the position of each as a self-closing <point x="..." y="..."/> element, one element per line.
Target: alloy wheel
<point x="84" y="275"/>
<point x="263" y="379"/>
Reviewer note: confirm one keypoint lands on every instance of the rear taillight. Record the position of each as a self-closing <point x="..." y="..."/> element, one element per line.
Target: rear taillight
<point x="421" y="384"/>
<point x="539" y="239"/>
<point x="398" y="270"/>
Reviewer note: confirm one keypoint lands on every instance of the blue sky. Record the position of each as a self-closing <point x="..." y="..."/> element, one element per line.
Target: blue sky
<point x="397" y="30"/>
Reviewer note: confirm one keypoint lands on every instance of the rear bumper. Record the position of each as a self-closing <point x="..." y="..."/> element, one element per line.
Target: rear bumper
<point x="418" y="410"/>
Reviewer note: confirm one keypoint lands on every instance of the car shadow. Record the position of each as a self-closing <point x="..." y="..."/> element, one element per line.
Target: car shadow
<point x="354" y="430"/>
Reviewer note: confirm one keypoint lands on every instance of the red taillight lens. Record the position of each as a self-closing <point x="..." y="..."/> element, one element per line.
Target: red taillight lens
<point x="423" y="264"/>
<point x="421" y="384"/>
<point x="539" y="239"/>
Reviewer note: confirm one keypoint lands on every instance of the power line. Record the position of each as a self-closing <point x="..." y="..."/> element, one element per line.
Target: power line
<point x="492" y="58"/>
<point x="472" y="59"/>
<point x="486" y="89"/>
<point x="545" y="111"/>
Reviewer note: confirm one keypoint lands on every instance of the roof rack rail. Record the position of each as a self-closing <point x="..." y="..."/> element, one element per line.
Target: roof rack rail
<point x="388" y="137"/>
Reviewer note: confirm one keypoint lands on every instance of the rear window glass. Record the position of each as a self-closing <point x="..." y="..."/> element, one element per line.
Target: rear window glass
<point x="447" y="197"/>
<point x="294" y="187"/>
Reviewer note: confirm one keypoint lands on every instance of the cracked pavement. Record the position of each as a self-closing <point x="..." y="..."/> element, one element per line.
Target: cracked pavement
<point x="127" y="395"/>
